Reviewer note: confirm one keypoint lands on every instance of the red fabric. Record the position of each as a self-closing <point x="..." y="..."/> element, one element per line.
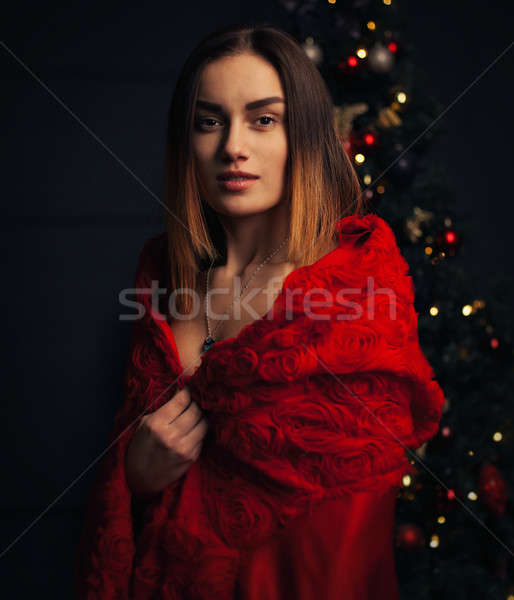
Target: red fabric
<point x="311" y="409"/>
<point x="343" y="549"/>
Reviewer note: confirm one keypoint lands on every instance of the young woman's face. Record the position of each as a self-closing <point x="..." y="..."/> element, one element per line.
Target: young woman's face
<point x="236" y="137"/>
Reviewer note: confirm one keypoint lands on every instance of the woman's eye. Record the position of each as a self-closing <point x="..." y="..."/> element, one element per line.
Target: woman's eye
<point x="267" y="117"/>
<point x="202" y="122"/>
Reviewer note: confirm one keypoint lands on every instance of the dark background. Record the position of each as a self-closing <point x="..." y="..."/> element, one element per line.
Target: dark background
<point x="79" y="200"/>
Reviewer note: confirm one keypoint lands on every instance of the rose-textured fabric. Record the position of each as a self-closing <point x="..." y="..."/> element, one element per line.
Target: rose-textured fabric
<point x="312" y="410"/>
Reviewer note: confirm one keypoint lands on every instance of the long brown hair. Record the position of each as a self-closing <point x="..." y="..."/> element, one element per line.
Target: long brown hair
<point x="322" y="185"/>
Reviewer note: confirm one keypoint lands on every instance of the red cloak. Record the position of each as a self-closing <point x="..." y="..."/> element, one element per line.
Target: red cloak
<point x="311" y="411"/>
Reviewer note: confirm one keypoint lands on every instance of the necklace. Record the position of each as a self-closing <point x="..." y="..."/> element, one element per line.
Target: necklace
<point x="209" y="340"/>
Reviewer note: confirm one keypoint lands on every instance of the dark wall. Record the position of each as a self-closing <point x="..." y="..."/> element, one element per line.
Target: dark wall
<point x="85" y="95"/>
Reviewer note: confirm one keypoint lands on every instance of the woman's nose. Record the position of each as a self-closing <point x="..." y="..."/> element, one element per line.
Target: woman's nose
<point x="234" y="142"/>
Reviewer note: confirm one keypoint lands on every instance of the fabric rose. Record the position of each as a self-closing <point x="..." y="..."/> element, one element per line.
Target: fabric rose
<point x="240" y="516"/>
<point x="243" y="363"/>
<point x="286" y="364"/>
<point x="349" y="346"/>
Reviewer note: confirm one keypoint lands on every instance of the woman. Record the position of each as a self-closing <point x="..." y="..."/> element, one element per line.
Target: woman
<point x="261" y="439"/>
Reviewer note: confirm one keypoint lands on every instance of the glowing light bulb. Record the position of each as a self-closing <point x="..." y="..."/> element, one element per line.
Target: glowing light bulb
<point x="406" y="480"/>
<point x="434" y="541"/>
<point x="472" y="496"/>
<point x="434" y="311"/>
<point x="360" y="158"/>
<point x="467" y="309"/>
<point x="497" y="437"/>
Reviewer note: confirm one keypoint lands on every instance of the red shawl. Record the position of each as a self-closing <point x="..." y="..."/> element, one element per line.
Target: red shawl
<point x="311" y="409"/>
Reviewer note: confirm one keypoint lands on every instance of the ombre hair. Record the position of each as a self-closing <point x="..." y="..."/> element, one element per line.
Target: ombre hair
<point x="321" y="183"/>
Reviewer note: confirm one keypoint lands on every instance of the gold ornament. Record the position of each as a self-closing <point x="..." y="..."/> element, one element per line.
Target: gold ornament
<point x="387" y="118"/>
<point x="345" y="115"/>
<point x="412" y="223"/>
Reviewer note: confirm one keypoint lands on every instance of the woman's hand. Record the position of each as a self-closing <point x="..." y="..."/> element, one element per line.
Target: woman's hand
<point x="165" y="445"/>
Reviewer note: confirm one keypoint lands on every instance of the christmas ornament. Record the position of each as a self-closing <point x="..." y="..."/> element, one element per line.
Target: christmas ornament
<point x="402" y="170"/>
<point x="313" y="51"/>
<point x="448" y="241"/>
<point x="446" y="499"/>
<point x="388" y="117"/>
<point x="345" y="115"/>
<point x="409" y="536"/>
<point x="414" y="222"/>
<point x="380" y="59"/>
<point x="493" y="489"/>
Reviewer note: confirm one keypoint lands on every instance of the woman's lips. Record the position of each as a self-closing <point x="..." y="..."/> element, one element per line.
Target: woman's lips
<point x="231" y="185"/>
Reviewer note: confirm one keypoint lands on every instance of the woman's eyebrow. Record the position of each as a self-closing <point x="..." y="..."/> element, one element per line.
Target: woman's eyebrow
<point x="249" y="106"/>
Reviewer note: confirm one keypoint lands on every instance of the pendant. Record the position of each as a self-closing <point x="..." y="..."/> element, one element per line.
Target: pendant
<point x="207" y="344"/>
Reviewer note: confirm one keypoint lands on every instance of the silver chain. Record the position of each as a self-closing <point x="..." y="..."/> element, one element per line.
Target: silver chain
<point x="243" y="288"/>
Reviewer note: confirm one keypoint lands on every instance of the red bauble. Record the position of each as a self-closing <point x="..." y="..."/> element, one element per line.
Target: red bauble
<point x="448" y="240"/>
<point x="409" y="536"/>
<point x="446" y="499"/>
<point x="365" y="141"/>
<point x="493" y="489"/>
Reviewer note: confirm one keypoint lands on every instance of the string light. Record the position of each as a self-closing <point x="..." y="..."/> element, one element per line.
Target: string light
<point x="467" y="309"/>
<point x="472" y="496"/>
<point x="428" y="250"/>
<point x="434" y="311"/>
<point x="441" y="519"/>
<point x="406" y="480"/>
<point x="497" y="437"/>
<point x="434" y="541"/>
<point x="371" y="25"/>
<point x="362" y="53"/>
<point x="359" y="158"/>
<point x="401" y="97"/>
<point x="367" y="179"/>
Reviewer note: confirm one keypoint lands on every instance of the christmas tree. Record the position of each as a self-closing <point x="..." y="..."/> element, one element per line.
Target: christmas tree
<point x="454" y="533"/>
